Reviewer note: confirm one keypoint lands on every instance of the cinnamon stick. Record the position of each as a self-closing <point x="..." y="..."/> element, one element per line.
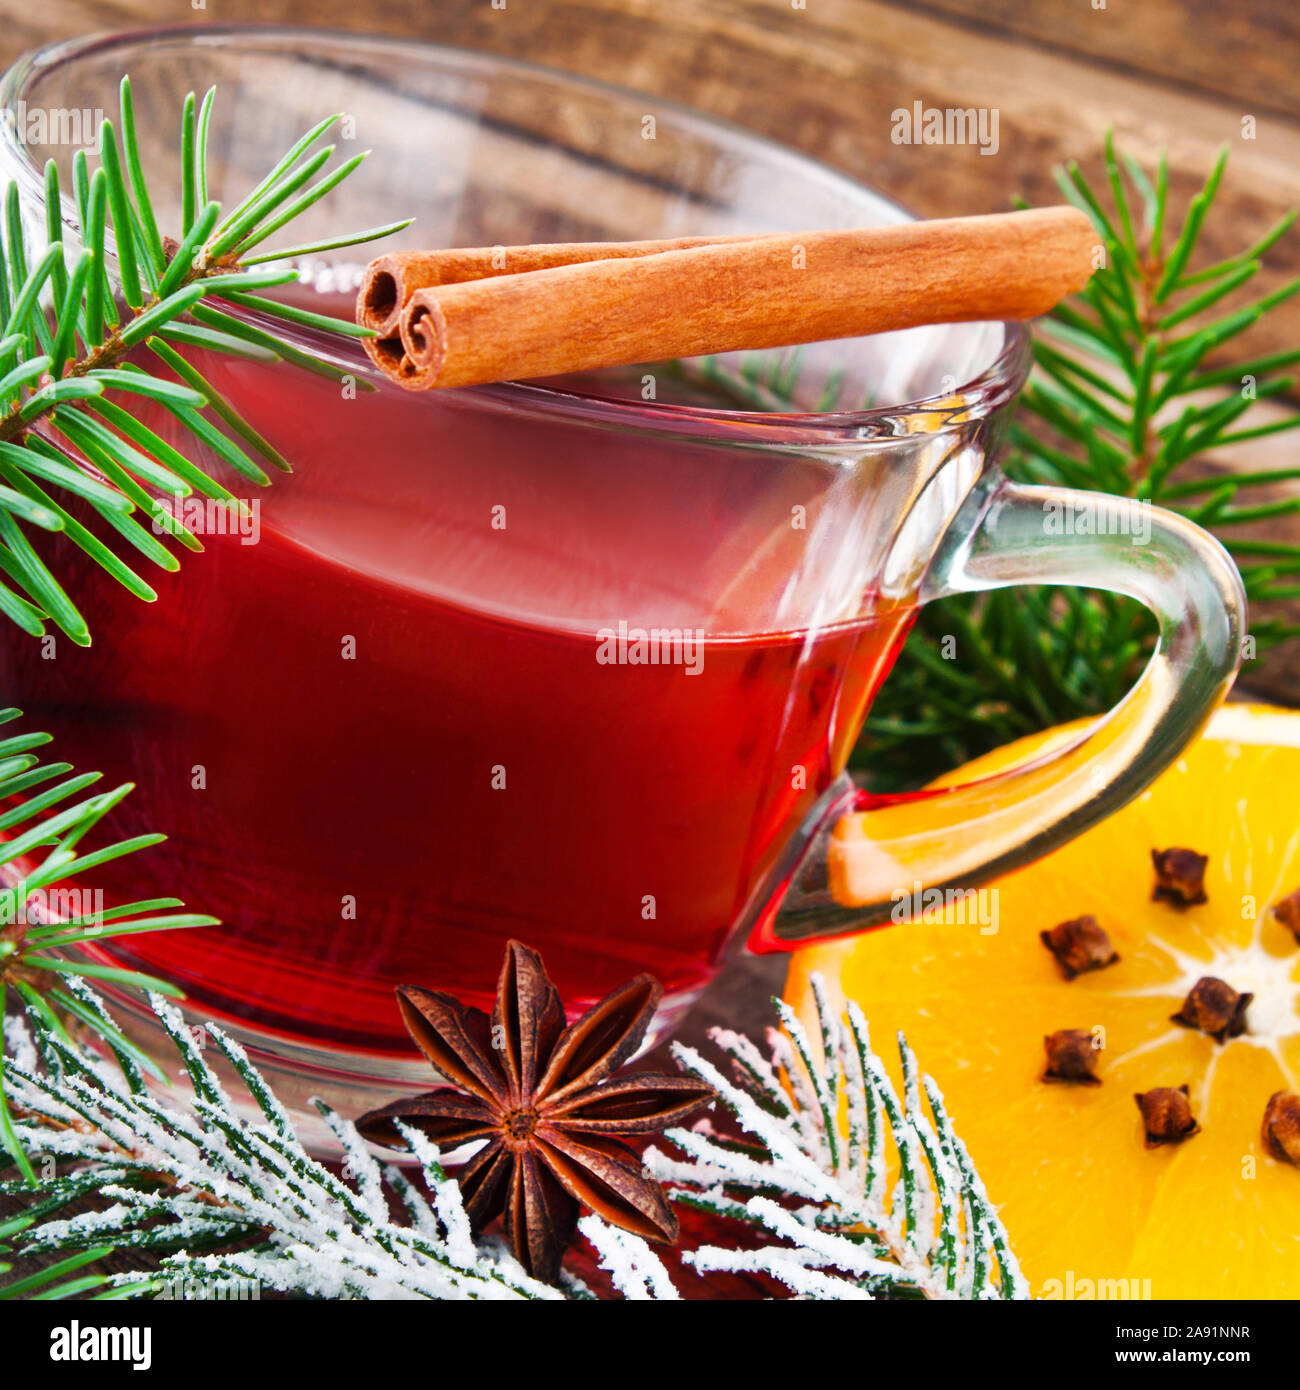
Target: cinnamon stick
<point x="731" y="294"/>
<point x="390" y="280"/>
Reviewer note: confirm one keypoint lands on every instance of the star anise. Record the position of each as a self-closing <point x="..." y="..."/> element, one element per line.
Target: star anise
<point x="545" y="1099"/>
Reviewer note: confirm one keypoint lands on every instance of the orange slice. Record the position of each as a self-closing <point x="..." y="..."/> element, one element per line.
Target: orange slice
<point x="1092" y="1211"/>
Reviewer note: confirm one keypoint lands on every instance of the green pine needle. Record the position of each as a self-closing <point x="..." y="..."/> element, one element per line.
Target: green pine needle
<point x="67" y="333"/>
<point x="827" y="1178"/>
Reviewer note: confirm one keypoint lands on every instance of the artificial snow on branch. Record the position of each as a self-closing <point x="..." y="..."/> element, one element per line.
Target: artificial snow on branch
<point x="813" y="1171"/>
<point x="228" y="1203"/>
<point x="192" y="1185"/>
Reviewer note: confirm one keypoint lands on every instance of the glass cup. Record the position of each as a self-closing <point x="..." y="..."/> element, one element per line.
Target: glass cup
<point x="578" y="662"/>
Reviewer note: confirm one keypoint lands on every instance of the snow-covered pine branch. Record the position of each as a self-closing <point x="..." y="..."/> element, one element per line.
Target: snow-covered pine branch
<point x="191" y="1185"/>
<point x="229" y="1204"/>
<point x="811" y="1170"/>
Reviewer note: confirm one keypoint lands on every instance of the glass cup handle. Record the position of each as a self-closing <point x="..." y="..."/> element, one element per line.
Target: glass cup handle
<point x="855" y="872"/>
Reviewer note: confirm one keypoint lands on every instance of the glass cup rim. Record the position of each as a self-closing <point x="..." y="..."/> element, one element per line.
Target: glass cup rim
<point x="977" y="398"/>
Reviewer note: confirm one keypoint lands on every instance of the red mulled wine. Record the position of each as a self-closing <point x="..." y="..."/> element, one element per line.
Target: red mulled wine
<point x="470" y="675"/>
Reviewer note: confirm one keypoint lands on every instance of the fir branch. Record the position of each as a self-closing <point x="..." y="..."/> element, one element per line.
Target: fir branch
<point x="47" y="909"/>
<point x="65" y="339"/>
<point x="226" y="1202"/>
<point x="1107" y="408"/>
<point x="68" y="334"/>
<point x="192" y="1186"/>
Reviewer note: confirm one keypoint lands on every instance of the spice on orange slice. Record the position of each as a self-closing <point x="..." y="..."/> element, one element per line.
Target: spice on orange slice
<point x="978" y="1003"/>
<point x="1287" y="911"/>
<point x="1282" y="1126"/>
<point x="1180" y="876"/>
<point x="1079" y="944"/>
<point x="1215" y="1008"/>
<point x="1072" y="1055"/>
<point x="1167" y="1115"/>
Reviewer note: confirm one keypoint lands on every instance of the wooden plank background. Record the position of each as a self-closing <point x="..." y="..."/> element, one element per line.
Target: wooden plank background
<point x="825" y="75"/>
